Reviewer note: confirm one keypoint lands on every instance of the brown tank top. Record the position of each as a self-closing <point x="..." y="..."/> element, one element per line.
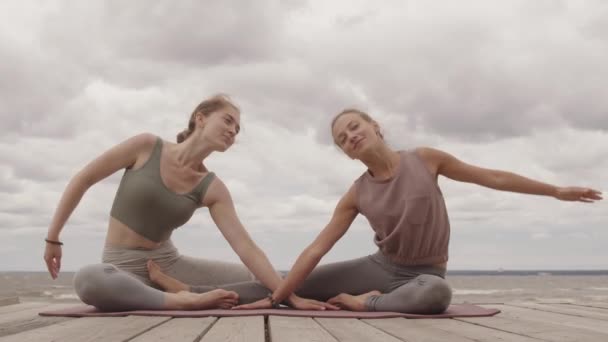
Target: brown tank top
<point x="407" y="213"/>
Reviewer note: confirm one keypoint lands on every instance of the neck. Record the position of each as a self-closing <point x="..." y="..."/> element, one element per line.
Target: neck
<point x="381" y="162"/>
<point x="192" y="151"/>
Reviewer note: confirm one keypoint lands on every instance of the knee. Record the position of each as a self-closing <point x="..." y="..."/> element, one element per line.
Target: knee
<point x="91" y="280"/>
<point x="438" y="293"/>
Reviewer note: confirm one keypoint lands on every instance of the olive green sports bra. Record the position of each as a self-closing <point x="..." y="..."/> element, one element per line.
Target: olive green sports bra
<point x="148" y="207"/>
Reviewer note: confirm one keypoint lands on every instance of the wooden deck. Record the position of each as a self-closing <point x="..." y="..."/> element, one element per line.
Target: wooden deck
<point x="519" y="322"/>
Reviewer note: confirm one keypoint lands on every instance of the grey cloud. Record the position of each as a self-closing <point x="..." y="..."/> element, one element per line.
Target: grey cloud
<point x="353" y="20"/>
<point x="36" y="160"/>
<point x="36" y="170"/>
<point x="294" y="162"/>
<point x="135" y="44"/>
<point x="291" y="94"/>
<point x="108" y="70"/>
<point x="16" y="220"/>
<point x="461" y="77"/>
<point x="597" y="27"/>
<point x="22" y="210"/>
<point x="195" y="32"/>
<point x="19" y="211"/>
<point x="33" y="90"/>
<point x="8" y="185"/>
<point x="142" y="41"/>
<point x="467" y="79"/>
<point x="185" y="32"/>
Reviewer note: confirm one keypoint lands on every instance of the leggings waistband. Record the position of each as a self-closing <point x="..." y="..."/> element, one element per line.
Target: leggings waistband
<point x="394" y="267"/>
<point x="134" y="260"/>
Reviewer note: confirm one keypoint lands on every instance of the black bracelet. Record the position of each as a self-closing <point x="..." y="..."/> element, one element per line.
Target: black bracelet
<point x="53" y="242"/>
<point x="273" y="303"/>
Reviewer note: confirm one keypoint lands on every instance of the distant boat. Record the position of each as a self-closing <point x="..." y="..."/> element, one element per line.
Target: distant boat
<point x="544" y="273"/>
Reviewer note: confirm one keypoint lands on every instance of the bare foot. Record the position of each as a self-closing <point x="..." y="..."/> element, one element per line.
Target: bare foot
<point x="164" y="281"/>
<point x="215" y="299"/>
<point x="352" y="303"/>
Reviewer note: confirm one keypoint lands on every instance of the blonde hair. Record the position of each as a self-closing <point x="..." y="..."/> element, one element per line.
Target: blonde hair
<point x="206" y="107"/>
<point x="361" y="113"/>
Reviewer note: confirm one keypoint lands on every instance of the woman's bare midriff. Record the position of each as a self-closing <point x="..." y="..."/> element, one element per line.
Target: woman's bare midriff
<point x="120" y="235"/>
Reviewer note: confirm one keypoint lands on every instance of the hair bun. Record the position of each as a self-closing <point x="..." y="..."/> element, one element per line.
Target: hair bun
<point x="181" y="136"/>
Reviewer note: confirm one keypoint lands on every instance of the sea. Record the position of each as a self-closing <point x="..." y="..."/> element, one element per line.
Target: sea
<point x="468" y="286"/>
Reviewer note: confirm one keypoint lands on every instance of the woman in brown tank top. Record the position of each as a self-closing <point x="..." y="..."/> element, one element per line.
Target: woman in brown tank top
<point x="399" y="196"/>
<point x="359" y="137"/>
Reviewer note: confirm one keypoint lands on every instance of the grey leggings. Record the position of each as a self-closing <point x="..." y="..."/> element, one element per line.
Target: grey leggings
<point x="122" y="282"/>
<point x="407" y="289"/>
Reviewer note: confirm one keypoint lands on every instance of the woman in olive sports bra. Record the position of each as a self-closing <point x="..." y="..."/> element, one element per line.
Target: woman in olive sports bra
<point x="162" y="185"/>
<point x="400" y="198"/>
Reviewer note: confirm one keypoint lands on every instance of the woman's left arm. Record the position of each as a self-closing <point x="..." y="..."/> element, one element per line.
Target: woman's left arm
<point x="442" y="163"/>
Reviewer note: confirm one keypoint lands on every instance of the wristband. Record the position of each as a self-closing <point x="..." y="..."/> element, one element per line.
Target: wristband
<point x="53" y="242"/>
<point x="273" y="303"/>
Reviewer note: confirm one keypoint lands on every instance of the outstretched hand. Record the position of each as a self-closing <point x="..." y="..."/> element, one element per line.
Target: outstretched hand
<point x="260" y="304"/>
<point x="294" y="301"/>
<point x="578" y="194"/>
<point x="52" y="257"/>
<point x="310" y="304"/>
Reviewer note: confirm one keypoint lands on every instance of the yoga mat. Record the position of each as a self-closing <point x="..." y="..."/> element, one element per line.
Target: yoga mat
<point x="455" y="310"/>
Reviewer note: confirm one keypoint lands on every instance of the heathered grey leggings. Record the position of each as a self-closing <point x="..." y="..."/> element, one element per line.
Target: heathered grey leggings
<point x="407" y="289"/>
<point x="122" y="282"/>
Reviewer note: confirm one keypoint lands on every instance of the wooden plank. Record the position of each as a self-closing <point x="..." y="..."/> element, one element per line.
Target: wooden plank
<point x="25" y="317"/>
<point x="51" y="333"/>
<point x="29" y="313"/>
<point x="553" y="318"/>
<point x="21" y="306"/>
<point x="178" y="329"/>
<point x="591" y="304"/>
<point x="582" y="307"/>
<point x="29" y="324"/>
<point x="349" y="329"/>
<point x="553" y="301"/>
<point x="126" y="329"/>
<point x="90" y="329"/>
<point x="9" y="300"/>
<point x="526" y="322"/>
<point x="296" y="329"/>
<point x="539" y="330"/>
<point x="474" y="332"/>
<point x="412" y="330"/>
<point x="573" y="311"/>
<point x="236" y="329"/>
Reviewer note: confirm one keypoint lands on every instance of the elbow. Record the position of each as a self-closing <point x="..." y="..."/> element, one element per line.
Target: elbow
<point x="501" y="180"/>
<point x="81" y="182"/>
<point x="497" y="180"/>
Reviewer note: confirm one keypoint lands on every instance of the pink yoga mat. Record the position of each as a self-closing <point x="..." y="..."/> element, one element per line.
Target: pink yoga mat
<point x="455" y="310"/>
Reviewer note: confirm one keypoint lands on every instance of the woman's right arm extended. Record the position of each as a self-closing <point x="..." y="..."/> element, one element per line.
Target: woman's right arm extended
<point x="118" y="157"/>
<point x="343" y="216"/>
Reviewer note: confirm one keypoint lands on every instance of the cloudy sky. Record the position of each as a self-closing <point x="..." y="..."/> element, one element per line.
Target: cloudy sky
<point x="517" y="85"/>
